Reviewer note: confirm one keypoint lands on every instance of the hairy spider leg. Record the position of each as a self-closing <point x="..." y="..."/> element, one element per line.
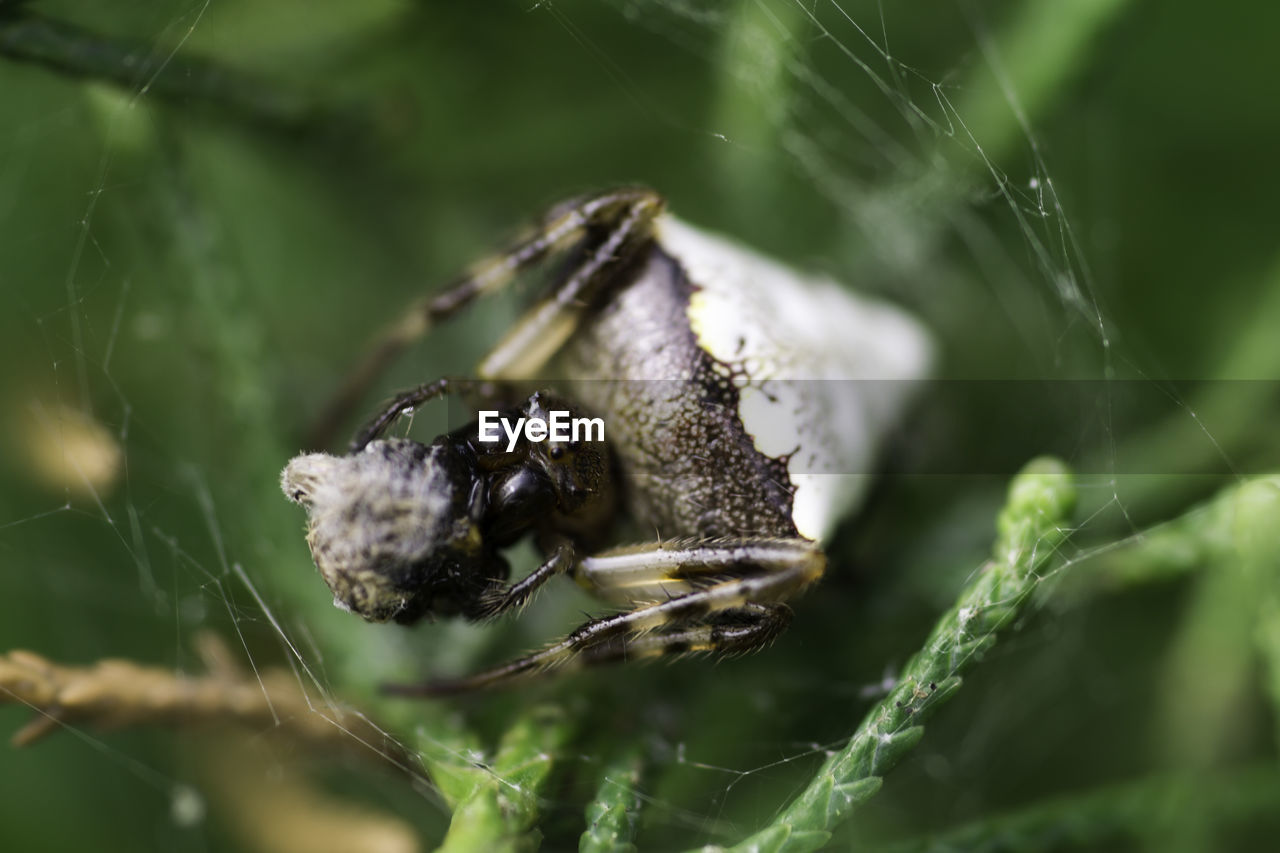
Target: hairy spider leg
<point x="513" y="596"/>
<point x="733" y="605"/>
<point x="404" y="401"/>
<point x="540" y="333"/>
<point x="730" y="633"/>
<point x="625" y="212"/>
<point x="544" y="328"/>
<point x="414" y="398"/>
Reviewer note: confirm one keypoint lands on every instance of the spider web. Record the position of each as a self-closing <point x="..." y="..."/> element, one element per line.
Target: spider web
<point x="185" y="278"/>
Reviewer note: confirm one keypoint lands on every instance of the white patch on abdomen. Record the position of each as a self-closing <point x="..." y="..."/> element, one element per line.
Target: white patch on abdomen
<point x="822" y="374"/>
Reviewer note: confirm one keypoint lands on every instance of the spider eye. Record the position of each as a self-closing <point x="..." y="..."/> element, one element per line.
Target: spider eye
<point x="556" y="452"/>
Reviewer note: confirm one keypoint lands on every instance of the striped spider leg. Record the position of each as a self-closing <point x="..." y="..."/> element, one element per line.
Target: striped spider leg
<point x="622" y="216"/>
<point x="723" y="597"/>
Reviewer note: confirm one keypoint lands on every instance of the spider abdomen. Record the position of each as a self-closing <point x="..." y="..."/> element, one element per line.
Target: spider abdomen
<point x="743" y="399"/>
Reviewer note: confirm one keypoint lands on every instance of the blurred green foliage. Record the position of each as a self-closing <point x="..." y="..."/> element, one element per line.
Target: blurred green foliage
<point x="207" y="209"/>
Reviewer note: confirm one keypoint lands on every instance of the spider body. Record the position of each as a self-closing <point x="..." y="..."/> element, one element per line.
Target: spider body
<point x="743" y="405"/>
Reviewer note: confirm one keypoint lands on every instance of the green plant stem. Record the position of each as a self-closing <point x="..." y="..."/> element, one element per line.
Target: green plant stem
<point x="1132" y="810"/>
<point x="1219" y="422"/>
<point x="755" y="65"/>
<point x="1029" y="529"/>
<point x="141" y="67"/>
<point x="1231" y="623"/>
<point x="611" y="814"/>
<point x="1039" y="53"/>
<point x="496" y="808"/>
<point x="1257" y="538"/>
<point x="1214" y="532"/>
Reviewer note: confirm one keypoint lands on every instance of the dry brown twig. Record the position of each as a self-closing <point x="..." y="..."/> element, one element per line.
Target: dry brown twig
<point x="114" y="693"/>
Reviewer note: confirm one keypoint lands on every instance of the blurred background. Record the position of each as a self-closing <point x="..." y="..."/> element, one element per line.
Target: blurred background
<point x="207" y="209"/>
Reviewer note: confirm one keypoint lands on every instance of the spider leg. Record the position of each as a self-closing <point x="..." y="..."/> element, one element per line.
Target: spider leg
<point x="728" y="583"/>
<point x="544" y="328"/>
<point x="510" y="596"/>
<point x="637" y="574"/>
<point x="564" y="226"/>
<point x="408" y="401"/>
<point x="502" y="394"/>
<point x="739" y="631"/>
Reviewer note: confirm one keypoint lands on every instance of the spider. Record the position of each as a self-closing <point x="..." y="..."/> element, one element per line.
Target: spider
<point x="735" y="431"/>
